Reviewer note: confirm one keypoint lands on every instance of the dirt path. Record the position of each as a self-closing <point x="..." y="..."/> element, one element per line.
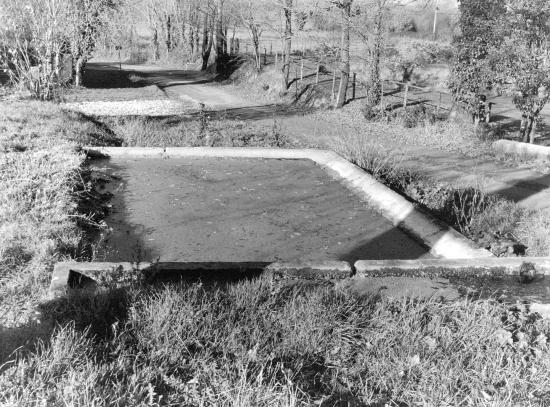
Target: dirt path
<point x="188" y="85"/>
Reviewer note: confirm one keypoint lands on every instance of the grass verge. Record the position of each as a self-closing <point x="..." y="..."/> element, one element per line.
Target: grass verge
<point x="253" y="343"/>
<point x="43" y="195"/>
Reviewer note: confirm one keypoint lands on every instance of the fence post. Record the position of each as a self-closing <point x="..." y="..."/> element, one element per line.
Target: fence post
<point x="270" y="49"/>
<point x="353" y="86"/>
<point x="276" y="59"/>
<point x="265" y="56"/>
<point x="333" y="82"/>
<point x="296" y="76"/>
<point x="317" y="74"/>
<point x="382" y="95"/>
<point x="302" y="69"/>
<point x="406" y="95"/>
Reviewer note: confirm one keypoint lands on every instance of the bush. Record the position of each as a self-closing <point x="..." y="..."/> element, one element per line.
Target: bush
<point x="370" y="112"/>
<point x="413" y="116"/>
<point x="489" y="131"/>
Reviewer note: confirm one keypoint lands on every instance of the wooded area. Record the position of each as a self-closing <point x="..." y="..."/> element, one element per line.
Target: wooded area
<point x="500" y="45"/>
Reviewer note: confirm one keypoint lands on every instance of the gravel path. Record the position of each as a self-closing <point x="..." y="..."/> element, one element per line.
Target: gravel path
<point x="135" y="107"/>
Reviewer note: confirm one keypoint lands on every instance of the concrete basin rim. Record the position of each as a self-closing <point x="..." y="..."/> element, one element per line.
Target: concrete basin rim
<point x="441" y="240"/>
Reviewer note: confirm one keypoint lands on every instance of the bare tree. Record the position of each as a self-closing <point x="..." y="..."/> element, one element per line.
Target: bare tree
<point x="371" y="22"/>
<point x="36" y="34"/>
<point x="249" y="14"/>
<point x="86" y="19"/>
<point x="288" y="6"/>
<point x="207" y="37"/>
<point x="221" y="55"/>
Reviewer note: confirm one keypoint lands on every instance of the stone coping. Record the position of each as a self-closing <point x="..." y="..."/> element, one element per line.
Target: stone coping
<point x="525" y="150"/>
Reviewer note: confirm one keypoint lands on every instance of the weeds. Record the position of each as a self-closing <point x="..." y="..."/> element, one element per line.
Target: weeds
<point x="206" y="131"/>
<point x="383" y="164"/>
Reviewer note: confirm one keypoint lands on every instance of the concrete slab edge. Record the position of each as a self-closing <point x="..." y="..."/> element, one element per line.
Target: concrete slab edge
<point x="479" y="267"/>
<point x="100" y="271"/>
<point x="522" y="149"/>
<point x="315" y="270"/>
<point x="442" y="240"/>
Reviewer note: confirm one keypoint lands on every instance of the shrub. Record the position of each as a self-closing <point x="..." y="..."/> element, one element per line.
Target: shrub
<point x="206" y="131"/>
<point x="413" y="116"/>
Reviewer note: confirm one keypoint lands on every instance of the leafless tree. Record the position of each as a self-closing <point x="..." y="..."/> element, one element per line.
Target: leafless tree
<point x="40" y="32"/>
<point x="34" y="33"/>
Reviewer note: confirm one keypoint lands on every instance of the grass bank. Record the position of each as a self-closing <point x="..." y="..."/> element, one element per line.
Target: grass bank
<point x="45" y="202"/>
<point x="255" y="343"/>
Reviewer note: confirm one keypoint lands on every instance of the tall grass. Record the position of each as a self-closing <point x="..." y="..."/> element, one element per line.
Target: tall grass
<point x="151" y="132"/>
<point x="256" y="344"/>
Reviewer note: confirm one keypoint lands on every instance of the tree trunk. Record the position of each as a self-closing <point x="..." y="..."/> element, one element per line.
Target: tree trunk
<point x="232" y="48"/>
<point x="523" y="134"/>
<point x="168" y="33"/>
<point x="221" y="59"/>
<point x="156" y="45"/>
<point x="344" y="51"/>
<point x="197" y="40"/>
<point x="287" y="45"/>
<point x="533" y="130"/>
<point x="78" y="68"/>
<point x="255" y="36"/>
<point x="58" y="59"/>
<point x="225" y="50"/>
<point x="374" y="85"/>
<point x="207" y="39"/>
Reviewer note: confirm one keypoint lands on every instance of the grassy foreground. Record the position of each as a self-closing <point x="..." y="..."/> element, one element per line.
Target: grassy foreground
<point x="245" y="344"/>
<point x="258" y="344"/>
